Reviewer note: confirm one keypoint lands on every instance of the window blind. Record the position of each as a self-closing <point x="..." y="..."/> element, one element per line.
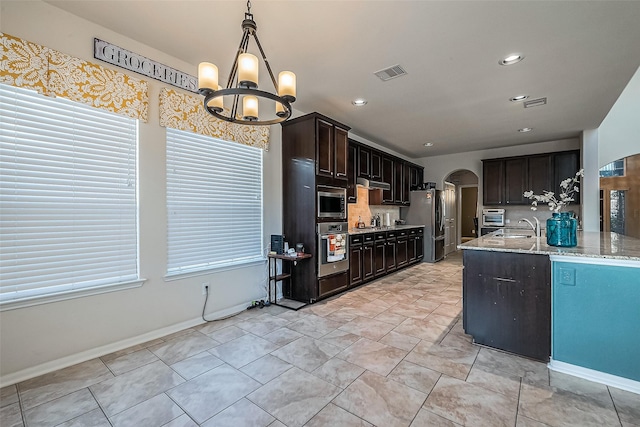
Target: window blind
<point x="68" y="209"/>
<point x="214" y="202"/>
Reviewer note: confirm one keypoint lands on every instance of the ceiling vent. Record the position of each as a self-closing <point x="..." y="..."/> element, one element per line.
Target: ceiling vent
<point x="535" y="102"/>
<point x="390" y="73"/>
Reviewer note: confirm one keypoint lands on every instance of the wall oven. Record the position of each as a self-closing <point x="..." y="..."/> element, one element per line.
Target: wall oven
<point x="333" y="248"/>
<point x="493" y="217"/>
<point x="332" y="203"/>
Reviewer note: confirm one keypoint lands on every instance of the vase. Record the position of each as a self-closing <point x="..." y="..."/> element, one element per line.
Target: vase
<point x="562" y="230"/>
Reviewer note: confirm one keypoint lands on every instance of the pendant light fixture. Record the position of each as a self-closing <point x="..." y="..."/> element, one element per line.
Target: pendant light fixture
<point x="242" y="84"/>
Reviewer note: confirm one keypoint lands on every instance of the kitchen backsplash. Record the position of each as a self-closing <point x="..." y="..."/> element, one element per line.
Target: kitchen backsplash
<point x="362" y="209"/>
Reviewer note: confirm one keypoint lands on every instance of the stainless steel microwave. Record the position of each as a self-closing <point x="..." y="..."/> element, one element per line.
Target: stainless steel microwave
<point x="332" y="203"/>
<point x="493" y="217"/>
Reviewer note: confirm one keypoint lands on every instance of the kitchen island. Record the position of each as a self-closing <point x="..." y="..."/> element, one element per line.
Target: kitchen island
<point x="580" y="305"/>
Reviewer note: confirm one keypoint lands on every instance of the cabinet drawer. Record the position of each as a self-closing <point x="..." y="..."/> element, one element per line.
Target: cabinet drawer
<point x="356" y="239"/>
<point x="403" y="233"/>
<point x="368" y="237"/>
<point x="333" y="284"/>
<point x="391" y="234"/>
<point x="381" y="236"/>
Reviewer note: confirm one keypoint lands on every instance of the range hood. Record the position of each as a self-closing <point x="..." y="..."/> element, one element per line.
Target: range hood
<point x="372" y="185"/>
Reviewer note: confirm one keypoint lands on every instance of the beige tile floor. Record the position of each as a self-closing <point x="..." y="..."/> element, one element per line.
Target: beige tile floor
<point x="390" y="353"/>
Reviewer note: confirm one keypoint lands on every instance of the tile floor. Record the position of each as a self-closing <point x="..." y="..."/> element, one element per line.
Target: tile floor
<point x="390" y="353"/>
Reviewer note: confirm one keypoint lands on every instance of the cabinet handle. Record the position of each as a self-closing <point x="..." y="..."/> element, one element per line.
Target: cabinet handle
<point x="502" y="279"/>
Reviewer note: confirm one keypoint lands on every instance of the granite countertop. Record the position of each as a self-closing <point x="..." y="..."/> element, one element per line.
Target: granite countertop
<point x="590" y="245"/>
<point x="386" y="228"/>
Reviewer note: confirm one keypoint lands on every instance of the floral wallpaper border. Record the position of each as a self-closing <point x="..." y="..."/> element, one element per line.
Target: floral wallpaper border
<point x="186" y="112"/>
<point x="49" y="72"/>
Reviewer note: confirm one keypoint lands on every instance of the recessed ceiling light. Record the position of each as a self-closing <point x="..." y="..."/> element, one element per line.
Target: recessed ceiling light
<point x="523" y="130"/>
<point x="359" y="102"/>
<point x="428" y="144"/>
<point x="518" y="98"/>
<point x="514" y="58"/>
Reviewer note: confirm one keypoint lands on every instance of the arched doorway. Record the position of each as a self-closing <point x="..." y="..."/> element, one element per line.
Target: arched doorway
<point x="461" y="208"/>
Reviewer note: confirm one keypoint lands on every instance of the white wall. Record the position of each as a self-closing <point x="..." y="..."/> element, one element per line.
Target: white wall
<point x="619" y="132"/>
<point x="44" y="337"/>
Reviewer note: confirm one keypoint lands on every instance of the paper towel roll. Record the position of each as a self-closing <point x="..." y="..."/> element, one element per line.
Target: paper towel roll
<point x="387" y="219"/>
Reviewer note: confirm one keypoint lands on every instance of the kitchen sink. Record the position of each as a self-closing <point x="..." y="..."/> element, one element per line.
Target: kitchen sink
<point x="514" y="236"/>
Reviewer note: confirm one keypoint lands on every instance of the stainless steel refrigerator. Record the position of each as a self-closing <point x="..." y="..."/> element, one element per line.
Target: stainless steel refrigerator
<point x="427" y="207"/>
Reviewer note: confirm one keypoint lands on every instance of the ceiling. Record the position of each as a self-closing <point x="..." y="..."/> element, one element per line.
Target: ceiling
<point x="580" y="55"/>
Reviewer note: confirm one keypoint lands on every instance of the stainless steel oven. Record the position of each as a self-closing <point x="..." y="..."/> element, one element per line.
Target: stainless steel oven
<point x="332" y="203"/>
<point x="493" y="217"/>
<point x="333" y="248"/>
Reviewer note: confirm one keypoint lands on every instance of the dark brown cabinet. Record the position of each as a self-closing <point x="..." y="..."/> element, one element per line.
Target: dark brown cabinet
<point x="352" y="173"/>
<point x="331" y="150"/>
<point x="388" y="170"/>
<point x="376" y="165"/>
<point x="420" y="246"/>
<point x="493" y="182"/>
<point x="402" y="252"/>
<point x="368" y="258"/>
<point x="379" y="255"/>
<point x="355" y="260"/>
<point x="390" y="252"/>
<point x="515" y="171"/>
<point x="398" y="190"/>
<point x="416" y="177"/>
<point x="507" y="301"/>
<point x="505" y="180"/>
<point x="364" y="162"/>
<point x="565" y="165"/>
<point x="539" y="174"/>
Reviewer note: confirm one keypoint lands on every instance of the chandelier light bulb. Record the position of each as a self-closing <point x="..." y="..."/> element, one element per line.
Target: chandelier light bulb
<point x="207" y="76"/>
<point x="287" y="85"/>
<point x="247" y="70"/>
<point x="250" y="108"/>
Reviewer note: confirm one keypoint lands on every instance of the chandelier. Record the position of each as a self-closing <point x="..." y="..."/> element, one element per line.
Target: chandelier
<point x="242" y="84"/>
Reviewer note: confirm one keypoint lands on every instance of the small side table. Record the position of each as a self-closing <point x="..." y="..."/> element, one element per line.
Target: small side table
<point x="290" y="262"/>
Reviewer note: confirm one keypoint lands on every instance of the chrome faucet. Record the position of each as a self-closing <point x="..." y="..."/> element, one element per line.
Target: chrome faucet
<point x="535" y="228"/>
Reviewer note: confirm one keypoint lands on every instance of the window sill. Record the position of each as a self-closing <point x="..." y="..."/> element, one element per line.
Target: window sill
<point x="169" y="277"/>
<point x="67" y="295"/>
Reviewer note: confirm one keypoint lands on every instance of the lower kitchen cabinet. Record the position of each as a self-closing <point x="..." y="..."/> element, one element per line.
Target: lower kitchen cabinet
<point x="379" y="251"/>
<point x="390" y="254"/>
<point x="507" y="301"/>
<point x="402" y="249"/>
<point x="355" y="260"/>
<point x="333" y="284"/>
<point x="368" y="259"/>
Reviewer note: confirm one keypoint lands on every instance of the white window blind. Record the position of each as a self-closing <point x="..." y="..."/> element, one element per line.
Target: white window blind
<point x="68" y="209"/>
<point x="214" y="202"/>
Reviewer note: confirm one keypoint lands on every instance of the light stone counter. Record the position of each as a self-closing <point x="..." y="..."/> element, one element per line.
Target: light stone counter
<point x="385" y="228"/>
<point x="590" y="245"/>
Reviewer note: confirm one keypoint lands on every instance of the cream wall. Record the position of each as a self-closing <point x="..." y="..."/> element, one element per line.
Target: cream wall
<point x="41" y="338"/>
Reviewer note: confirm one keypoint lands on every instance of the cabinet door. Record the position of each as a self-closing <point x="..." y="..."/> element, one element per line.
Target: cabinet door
<point x="399" y="182"/>
<point x="388" y="170"/>
<point x="539" y="176"/>
<point x="379" y="259"/>
<point x="376" y="165"/>
<point x="352" y="190"/>
<point x="364" y="162"/>
<point x="406" y="183"/>
<point x="341" y="142"/>
<point x="515" y="172"/>
<point x="411" y="249"/>
<point x="368" y="263"/>
<point x="417" y="174"/>
<point x="355" y="265"/>
<point x="493" y="182"/>
<point x="565" y="165"/>
<point x="324" y="148"/>
<point x="390" y="256"/>
<point x="419" y="248"/>
<point x="401" y="252"/>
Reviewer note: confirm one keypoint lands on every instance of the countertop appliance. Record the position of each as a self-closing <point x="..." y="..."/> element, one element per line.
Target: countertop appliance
<point x="332" y="203"/>
<point x="493" y="217"/>
<point x="333" y="248"/>
<point x="427" y="207"/>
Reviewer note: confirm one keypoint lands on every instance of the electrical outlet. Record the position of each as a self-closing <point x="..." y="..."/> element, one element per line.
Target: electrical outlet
<point x="205" y="286"/>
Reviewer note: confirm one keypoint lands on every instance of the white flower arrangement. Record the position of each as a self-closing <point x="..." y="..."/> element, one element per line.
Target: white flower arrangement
<point x="569" y="187"/>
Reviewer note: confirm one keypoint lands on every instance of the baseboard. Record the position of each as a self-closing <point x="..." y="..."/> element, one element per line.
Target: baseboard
<point x="595" y="376"/>
<point x="83" y="356"/>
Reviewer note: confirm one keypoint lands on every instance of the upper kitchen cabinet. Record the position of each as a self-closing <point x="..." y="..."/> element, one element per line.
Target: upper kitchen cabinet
<point x="364" y="162"/>
<point x="493" y="182"/>
<point x="416" y="176"/>
<point x="388" y="170"/>
<point x="505" y="180"/>
<point x="565" y="165"/>
<point x="330" y="140"/>
<point x="398" y="190"/>
<point x="376" y="165"/>
<point x="352" y="173"/>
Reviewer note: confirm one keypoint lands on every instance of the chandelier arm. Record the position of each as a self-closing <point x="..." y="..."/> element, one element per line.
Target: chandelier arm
<point x="241" y="49"/>
<point x="243" y="91"/>
<point x="264" y="58"/>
